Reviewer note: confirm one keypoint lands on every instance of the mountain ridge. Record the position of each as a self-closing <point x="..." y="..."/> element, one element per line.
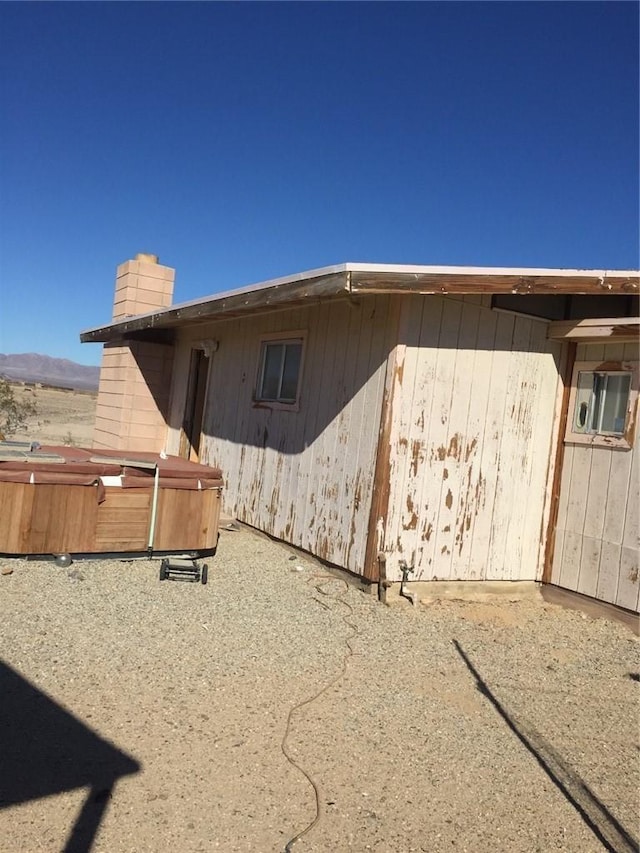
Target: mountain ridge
<point x="48" y="370"/>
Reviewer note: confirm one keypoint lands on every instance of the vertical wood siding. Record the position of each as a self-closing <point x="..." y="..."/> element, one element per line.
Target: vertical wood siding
<point x="305" y="476"/>
<point x="473" y="415"/>
<point x="597" y="541"/>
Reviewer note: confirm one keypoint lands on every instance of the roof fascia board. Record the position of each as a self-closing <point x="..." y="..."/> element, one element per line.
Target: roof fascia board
<point x="372" y="278"/>
<point x="277" y="293"/>
<point x="480" y="280"/>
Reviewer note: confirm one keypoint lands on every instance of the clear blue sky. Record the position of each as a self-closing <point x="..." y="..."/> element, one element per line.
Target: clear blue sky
<point x="243" y="141"/>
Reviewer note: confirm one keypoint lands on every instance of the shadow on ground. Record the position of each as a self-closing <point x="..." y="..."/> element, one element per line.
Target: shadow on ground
<point x="609" y="831"/>
<point x="45" y="750"/>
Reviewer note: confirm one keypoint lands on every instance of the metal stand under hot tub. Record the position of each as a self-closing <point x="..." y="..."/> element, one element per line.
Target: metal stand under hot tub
<point x="176" y="569"/>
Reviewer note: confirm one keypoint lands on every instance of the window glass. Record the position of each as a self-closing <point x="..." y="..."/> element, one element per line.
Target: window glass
<point x="290" y="371"/>
<point x="614" y="407"/>
<point x="279" y="372"/>
<point x="272" y="355"/>
<point x="582" y="415"/>
<point x="601" y="403"/>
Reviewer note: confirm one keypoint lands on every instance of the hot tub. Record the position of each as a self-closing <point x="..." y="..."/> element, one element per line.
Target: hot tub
<point x="83" y="501"/>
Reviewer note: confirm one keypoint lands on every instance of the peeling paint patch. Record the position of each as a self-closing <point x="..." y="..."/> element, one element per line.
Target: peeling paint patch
<point x="471" y="446"/>
<point x="449" y="499"/>
<point x="416" y="456"/>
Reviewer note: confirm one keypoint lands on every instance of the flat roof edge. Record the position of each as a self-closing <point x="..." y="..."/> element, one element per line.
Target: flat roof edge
<point x="364" y="277"/>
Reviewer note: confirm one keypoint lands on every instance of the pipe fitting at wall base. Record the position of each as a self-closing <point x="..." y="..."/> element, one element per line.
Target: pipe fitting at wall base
<point x="406" y="571"/>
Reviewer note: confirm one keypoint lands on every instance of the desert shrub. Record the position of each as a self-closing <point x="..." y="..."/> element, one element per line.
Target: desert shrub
<point x="14" y="412"/>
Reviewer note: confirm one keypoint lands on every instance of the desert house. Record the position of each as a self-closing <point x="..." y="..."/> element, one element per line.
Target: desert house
<point x="451" y="423"/>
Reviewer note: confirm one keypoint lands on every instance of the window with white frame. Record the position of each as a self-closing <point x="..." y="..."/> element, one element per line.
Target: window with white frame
<point x="602" y="403"/>
<point x="279" y="370"/>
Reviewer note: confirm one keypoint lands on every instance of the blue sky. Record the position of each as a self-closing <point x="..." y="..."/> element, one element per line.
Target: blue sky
<point x="242" y="141"/>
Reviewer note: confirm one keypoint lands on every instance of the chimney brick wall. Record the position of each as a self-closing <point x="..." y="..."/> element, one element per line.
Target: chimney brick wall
<point x="135" y="376"/>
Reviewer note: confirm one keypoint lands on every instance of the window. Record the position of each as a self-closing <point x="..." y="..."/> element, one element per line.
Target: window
<point x="279" y="371"/>
<point x="602" y="403"/>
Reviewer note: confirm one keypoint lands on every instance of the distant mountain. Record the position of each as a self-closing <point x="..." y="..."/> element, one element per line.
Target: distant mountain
<point x="59" y="372"/>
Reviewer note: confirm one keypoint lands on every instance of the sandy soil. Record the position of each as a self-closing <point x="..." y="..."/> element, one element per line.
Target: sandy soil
<point x="500" y="726"/>
<point x="141" y="717"/>
<point x="63" y="417"/>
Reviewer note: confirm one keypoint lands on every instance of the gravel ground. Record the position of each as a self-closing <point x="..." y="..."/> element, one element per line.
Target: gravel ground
<point x="455" y="727"/>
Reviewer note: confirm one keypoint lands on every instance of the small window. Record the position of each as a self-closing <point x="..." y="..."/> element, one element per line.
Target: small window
<point x="601" y="405"/>
<point x="279" y="371"/>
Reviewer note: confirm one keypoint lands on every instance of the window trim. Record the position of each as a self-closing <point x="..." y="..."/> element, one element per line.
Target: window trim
<point x="624" y="441"/>
<point x="288" y="337"/>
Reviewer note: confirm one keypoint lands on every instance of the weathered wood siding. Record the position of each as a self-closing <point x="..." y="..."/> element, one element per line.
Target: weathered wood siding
<point x="597" y="539"/>
<point x="303" y="476"/>
<point x="471" y="439"/>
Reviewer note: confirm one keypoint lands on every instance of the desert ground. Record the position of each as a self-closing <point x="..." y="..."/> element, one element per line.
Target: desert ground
<point x="282" y="708"/>
<point x="63" y="416"/>
<point x="147" y="716"/>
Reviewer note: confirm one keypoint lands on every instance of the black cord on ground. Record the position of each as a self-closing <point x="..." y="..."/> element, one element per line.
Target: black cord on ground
<point x="319" y="588"/>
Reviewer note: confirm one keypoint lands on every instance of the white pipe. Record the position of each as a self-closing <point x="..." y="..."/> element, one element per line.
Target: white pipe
<point x="154" y="509"/>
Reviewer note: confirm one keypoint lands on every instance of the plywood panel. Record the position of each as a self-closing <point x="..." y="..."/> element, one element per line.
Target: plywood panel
<point x="437" y="444"/>
<point x="505" y="547"/>
<point x="497" y="380"/>
<point x="16" y="506"/>
<point x="565" y="487"/>
<point x="122" y="523"/>
<point x="599" y="511"/>
<point x="474" y="566"/>
<point x="454" y="516"/>
<point x="571" y="557"/>
<point x="478" y="458"/>
<point x="628" y="585"/>
<point x="608" y="575"/>
<point x="417" y="483"/>
<point x="595" y="500"/>
<point x="587" y="582"/>
<point x="63" y="519"/>
<point x="410" y="385"/>
<point x="187" y="519"/>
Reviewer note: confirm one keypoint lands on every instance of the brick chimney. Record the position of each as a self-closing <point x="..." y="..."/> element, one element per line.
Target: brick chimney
<point x="135" y="376"/>
<point x="142" y="285"/>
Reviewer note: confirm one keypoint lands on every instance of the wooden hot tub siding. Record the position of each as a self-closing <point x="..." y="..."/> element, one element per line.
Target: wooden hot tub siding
<point x="49" y="518"/>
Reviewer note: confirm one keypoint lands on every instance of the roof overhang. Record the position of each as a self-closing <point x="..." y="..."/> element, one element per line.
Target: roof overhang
<point x="617" y="330"/>
<point x="351" y="280"/>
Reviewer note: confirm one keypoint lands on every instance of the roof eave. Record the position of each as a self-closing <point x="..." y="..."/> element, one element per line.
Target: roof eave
<point x="329" y="282"/>
<point x="271" y="296"/>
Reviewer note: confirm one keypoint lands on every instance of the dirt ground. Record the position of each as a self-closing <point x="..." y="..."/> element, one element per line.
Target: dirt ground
<point x="63" y="416"/>
<point x="146" y="716"/>
<point x="141" y="717"/>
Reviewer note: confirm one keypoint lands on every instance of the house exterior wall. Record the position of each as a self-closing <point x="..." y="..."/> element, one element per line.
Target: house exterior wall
<point x="597" y="545"/>
<point x="303" y="476"/>
<point x="474" y="405"/>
